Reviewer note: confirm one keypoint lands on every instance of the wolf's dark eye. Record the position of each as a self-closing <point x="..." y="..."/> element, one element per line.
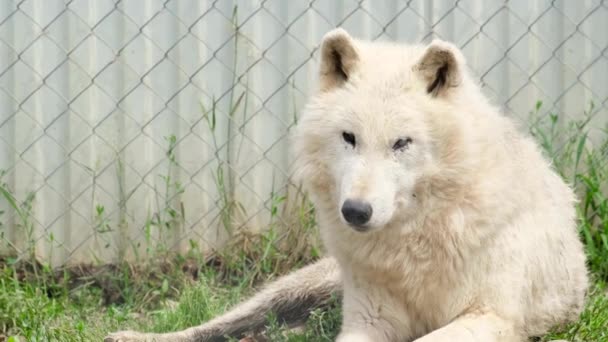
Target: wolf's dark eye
<point x="349" y="138"/>
<point x="402" y="143"/>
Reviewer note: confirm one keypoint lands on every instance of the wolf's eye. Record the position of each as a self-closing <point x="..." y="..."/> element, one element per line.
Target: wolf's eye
<point x="402" y="143"/>
<point x="349" y="138"/>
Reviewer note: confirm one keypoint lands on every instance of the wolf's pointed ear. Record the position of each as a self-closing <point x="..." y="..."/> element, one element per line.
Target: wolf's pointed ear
<point x="339" y="58"/>
<point x="441" y="67"/>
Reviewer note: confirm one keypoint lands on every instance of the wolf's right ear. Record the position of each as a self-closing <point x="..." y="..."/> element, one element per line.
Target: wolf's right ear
<point x="339" y="58"/>
<point x="441" y="67"/>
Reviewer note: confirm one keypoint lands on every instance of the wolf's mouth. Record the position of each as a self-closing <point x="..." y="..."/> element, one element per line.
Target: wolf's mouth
<point x="360" y="228"/>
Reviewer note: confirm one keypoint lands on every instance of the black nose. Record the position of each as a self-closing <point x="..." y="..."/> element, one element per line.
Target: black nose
<point x="356" y="212"/>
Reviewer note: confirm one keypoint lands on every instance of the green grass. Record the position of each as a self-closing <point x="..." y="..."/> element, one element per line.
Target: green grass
<point x="582" y="162"/>
<point x="593" y="322"/>
<point x="29" y="314"/>
<point x="37" y="304"/>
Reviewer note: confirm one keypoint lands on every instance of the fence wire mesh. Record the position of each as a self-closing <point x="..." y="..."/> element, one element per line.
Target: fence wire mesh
<point x="129" y="125"/>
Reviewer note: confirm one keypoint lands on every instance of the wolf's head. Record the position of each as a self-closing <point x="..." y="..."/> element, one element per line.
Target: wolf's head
<point x="366" y="143"/>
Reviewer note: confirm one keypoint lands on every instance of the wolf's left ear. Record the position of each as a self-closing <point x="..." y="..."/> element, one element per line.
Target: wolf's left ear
<point x="441" y="67"/>
<point x="339" y="58"/>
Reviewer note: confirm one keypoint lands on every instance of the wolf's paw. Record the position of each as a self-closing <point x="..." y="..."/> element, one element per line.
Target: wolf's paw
<point x="128" y="336"/>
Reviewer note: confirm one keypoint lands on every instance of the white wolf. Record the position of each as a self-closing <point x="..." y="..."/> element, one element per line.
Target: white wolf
<point x="442" y="221"/>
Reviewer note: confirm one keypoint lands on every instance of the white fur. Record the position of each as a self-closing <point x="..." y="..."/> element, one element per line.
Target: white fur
<point x="475" y="234"/>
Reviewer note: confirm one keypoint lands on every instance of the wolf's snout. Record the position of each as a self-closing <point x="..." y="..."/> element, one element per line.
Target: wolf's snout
<point x="356" y="212"/>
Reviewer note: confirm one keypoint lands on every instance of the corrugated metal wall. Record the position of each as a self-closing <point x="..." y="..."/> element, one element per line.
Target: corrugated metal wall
<point x="102" y="104"/>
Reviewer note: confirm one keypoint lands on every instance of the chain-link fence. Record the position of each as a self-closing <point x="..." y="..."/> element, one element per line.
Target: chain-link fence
<point x="126" y="125"/>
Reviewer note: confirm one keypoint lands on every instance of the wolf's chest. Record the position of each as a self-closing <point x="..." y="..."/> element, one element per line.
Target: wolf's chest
<point x="414" y="274"/>
<point x="428" y="297"/>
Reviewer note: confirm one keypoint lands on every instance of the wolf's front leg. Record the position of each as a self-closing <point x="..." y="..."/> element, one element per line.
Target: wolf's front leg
<point x="370" y="316"/>
<point x="476" y="327"/>
<point x="290" y="297"/>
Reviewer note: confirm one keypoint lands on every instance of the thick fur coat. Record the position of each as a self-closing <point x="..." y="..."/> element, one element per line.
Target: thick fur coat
<point x="442" y="220"/>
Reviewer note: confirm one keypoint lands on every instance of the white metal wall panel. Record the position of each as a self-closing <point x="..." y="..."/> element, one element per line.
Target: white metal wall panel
<point x="90" y="91"/>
